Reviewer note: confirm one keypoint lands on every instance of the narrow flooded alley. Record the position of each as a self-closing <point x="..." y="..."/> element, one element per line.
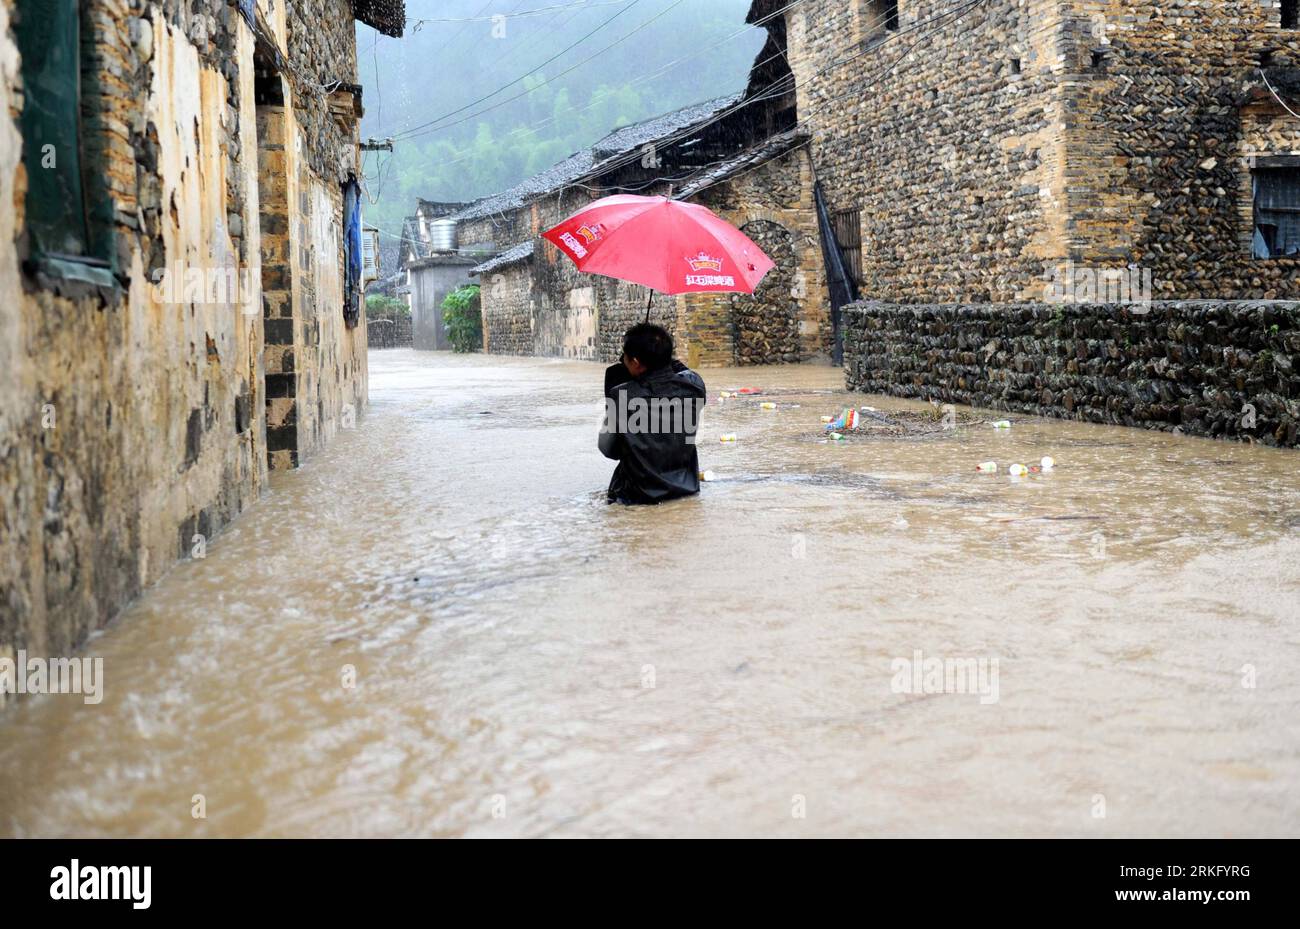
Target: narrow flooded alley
<point x="438" y="627"/>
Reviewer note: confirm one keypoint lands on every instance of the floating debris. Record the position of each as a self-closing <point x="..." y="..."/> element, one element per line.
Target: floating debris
<point x="899" y="424"/>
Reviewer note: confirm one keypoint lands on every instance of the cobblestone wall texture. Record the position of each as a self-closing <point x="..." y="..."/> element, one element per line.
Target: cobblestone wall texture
<point x="986" y="143"/>
<point x="132" y="417"/>
<point x="1224" y="369"/>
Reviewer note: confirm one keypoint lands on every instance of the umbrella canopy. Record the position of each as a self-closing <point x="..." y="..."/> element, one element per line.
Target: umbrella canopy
<point x="667" y="245"/>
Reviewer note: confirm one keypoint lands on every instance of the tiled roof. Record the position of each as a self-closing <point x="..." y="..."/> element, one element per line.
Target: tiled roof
<point x="590" y="161"/>
<point x="628" y="138"/>
<point x="411" y="233"/>
<point x="388" y="16"/>
<point x="765" y="151"/>
<point x="570" y="169"/>
<point x="511" y="255"/>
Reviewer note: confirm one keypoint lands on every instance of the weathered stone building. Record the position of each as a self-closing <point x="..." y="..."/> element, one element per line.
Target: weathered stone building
<point x="432" y="265"/>
<point x="179" y="285"/>
<point x="993" y="159"/>
<point x="980" y="144"/>
<point x="729" y="156"/>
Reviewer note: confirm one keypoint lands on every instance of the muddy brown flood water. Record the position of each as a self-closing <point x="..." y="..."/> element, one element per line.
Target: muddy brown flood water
<point x="532" y="661"/>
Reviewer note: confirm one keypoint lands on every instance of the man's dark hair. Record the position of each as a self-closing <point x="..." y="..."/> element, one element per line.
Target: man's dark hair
<point x="649" y="344"/>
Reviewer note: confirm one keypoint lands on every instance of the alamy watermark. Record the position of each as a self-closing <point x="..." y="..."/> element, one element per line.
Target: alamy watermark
<point x="934" y="675"/>
<point x="103" y="882"/>
<point x="181" y="283"/>
<point x="652" y="415"/>
<point x="1129" y="286"/>
<point x="33" y="675"/>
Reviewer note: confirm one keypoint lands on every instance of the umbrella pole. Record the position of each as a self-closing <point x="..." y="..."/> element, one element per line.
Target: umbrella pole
<point x="648" y="304"/>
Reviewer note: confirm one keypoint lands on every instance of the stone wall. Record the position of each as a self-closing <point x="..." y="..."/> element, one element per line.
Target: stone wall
<point x="986" y="148"/>
<point x="1163" y="133"/>
<point x="954" y="156"/>
<point x="390" y="333"/>
<point x="1221" y="369"/>
<point x="130" y="419"/>
<point x="133" y="409"/>
<point x="786" y="319"/>
<point x="506" y="311"/>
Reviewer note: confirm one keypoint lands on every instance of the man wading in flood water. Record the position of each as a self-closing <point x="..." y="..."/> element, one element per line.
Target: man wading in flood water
<point x="652" y="409"/>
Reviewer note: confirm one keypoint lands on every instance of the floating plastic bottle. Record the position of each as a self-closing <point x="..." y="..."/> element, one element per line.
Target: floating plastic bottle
<point x="987" y="467"/>
<point x="768" y="405"/>
<point x="727" y="437"/>
<point x="828" y="419"/>
<point x="1017" y="470"/>
<point x="836" y="437"/>
<point x="707" y="476"/>
<point x="1002" y="424"/>
<point x="1048" y="463"/>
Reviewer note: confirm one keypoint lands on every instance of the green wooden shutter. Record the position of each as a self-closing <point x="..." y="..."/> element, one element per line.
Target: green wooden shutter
<point x="48" y="34"/>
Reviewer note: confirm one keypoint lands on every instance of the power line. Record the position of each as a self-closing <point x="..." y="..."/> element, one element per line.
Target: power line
<point x="416" y="134"/>
<point x="856" y="88"/>
<point x="468" y="154"/>
<point x="518" y="13"/>
<point x="456" y="35"/>
<point x="630" y="4"/>
<point x="771" y="89"/>
<point x="1275" y="96"/>
<point x="762" y="95"/>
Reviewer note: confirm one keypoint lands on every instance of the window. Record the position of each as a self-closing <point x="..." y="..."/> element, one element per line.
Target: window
<point x="1277" y="208"/>
<point x="1290" y="14"/>
<point x="64" y="236"/>
<point x="49" y="41"/>
<point x="889" y="10"/>
<point x="847" y="225"/>
<point x="369" y="254"/>
<point x="876" y="17"/>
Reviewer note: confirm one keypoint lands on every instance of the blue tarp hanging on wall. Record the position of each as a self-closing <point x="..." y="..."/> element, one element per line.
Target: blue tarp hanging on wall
<point x="352" y="251"/>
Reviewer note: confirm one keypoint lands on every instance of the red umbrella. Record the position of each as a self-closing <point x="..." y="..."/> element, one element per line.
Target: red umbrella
<point x="667" y="245"/>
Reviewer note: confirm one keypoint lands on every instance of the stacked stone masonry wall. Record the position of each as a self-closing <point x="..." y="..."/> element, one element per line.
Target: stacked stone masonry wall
<point x="1224" y="369"/>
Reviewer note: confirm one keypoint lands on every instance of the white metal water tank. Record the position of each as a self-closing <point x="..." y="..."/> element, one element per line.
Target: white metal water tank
<point x="442" y="235"/>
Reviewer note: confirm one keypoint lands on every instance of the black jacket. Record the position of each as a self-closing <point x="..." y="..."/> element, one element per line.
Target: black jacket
<point x="656" y="462"/>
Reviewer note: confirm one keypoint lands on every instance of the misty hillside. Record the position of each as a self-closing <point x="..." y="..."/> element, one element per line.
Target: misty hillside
<point x="424" y="89"/>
